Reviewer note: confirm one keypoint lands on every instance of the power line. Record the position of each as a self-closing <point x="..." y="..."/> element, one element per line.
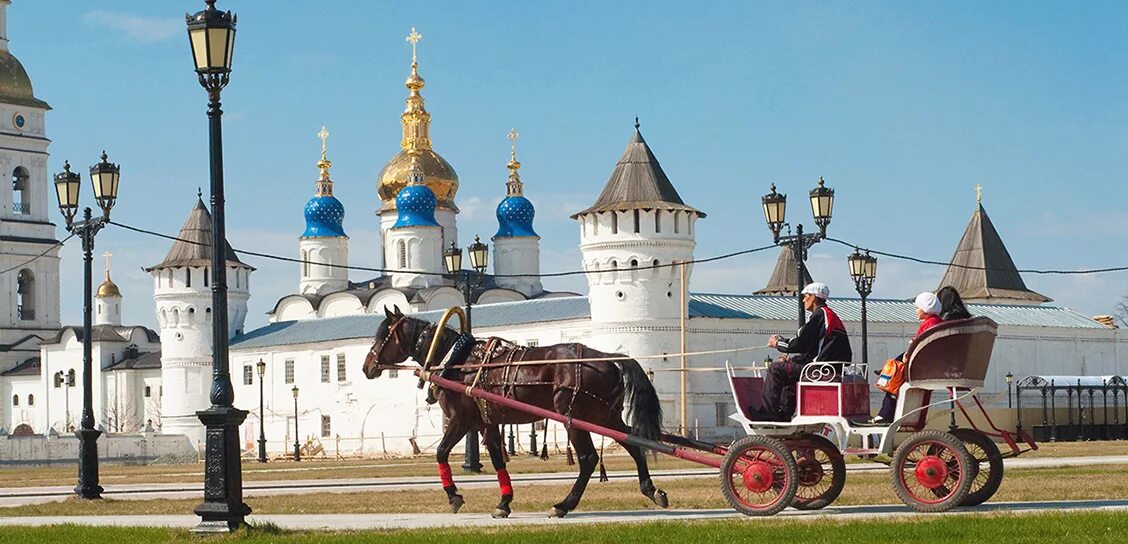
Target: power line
<point x="970" y="267"/>
<point x="37" y="257"/>
<point x="429" y="273"/>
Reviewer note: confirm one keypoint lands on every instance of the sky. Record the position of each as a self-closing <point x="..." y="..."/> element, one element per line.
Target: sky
<point x="903" y="108"/>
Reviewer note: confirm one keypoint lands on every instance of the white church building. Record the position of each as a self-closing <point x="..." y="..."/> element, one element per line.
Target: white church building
<point x="639" y="301"/>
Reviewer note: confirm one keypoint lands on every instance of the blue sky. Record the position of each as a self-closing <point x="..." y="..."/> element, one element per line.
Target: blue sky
<point x="903" y="108"/>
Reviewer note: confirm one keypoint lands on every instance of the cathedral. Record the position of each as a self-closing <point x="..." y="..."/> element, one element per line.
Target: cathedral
<point x="637" y="242"/>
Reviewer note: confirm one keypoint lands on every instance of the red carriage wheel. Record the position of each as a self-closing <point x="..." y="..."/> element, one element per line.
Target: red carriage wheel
<point x="758" y="476"/>
<point x="821" y="472"/>
<point x="932" y="471"/>
<point x="990" y="461"/>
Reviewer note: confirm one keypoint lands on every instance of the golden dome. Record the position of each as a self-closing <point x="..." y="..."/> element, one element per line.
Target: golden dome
<point x="438" y="174"/>
<point x="15" y="86"/>
<point x="108" y="289"/>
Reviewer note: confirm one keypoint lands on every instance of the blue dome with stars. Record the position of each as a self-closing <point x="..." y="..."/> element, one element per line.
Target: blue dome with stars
<point x="323" y="215"/>
<point x="416" y="207"/>
<point x="515" y="217"/>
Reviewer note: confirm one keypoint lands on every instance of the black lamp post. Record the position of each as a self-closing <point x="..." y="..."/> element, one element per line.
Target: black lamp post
<point x="211" y="34"/>
<point x="533" y="439"/>
<point x="468" y="281"/>
<point x="775" y="206"/>
<point x="297" y="445"/>
<point x="1010" y="379"/>
<point x="512" y="442"/>
<point x="104" y="176"/>
<point x="261" y="366"/>
<point x="863" y="269"/>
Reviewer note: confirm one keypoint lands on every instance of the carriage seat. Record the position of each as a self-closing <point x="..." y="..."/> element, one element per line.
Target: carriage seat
<point x="951" y="354"/>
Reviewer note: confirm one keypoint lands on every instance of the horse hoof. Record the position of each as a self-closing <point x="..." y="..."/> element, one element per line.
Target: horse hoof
<point x="557" y="513"/>
<point x="498" y="513"/>
<point x="660" y="498"/>
<point x="456" y="503"/>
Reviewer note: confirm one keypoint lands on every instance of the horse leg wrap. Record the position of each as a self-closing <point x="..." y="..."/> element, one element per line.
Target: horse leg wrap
<point x="444" y="475"/>
<point x="504" y="483"/>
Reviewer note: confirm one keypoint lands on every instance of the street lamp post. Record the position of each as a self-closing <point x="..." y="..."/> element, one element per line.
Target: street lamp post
<point x="512" y="442"/>
<point x="775" y="206"/>
<point x="211" y="34"/>
<point x="104" y="176"/>
<point x="261" y="366"/>
<point x="863" y="269"/>
<point x="1010" y="379"/>
<point x="533" y="439"/>
<point x="297" y="445"/>
<point x="468" y="281"/>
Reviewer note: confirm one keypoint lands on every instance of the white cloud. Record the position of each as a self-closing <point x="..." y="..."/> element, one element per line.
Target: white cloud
<point x="136" y="27"/>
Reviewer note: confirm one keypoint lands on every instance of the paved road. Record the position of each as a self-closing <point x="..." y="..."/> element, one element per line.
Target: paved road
<point x="418" y="521"/>
<point x="16" y="496"/>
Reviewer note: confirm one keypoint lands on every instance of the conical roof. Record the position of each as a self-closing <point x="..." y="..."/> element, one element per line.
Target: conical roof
<point x="193" y="244"/>
<point x="982" y="269"/>
<point x="638" y="182"/>
<point x="782" y="281"/>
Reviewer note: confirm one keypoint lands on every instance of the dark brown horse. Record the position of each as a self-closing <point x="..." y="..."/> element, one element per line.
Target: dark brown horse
<point x="590" y="391"/>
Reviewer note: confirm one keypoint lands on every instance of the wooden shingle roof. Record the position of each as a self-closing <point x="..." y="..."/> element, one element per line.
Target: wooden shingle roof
<point x="193" y="244"/>
<point x="982" y="268"/>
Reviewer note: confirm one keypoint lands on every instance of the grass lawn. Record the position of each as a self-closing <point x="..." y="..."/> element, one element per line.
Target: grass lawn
<point x="418" y="466"/>
<point x="1071" y="483"/>
<point x="1088" y="527"/>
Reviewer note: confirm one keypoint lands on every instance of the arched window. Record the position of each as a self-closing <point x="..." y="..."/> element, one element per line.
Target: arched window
<point x="21" y="191"/>
<point x="30" y="400"/>
<point x="70" y="378"/>
<point x="614" y="222"/>
<point x="402" y="249"/>
<point x="25" y="295"/>
<point x="15" y="400"/>
<point x="305" y="264"/>
<point x="657" y="220"/>
<point x="677" y="222"/>
<point x="169" y="277"/>
<point x="636" y="222"/>
<point x="187" y="276"/>
<point x="206" y="276"/>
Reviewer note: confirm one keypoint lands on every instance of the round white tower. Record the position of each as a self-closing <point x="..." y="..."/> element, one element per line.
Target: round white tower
<point x="182" y="291"/>
<point x="516" y="244"/>
<point x="415" y="240"/>
<point x="107" y="304"/>
<point x="636" y="229"/>
<point x="324" y="245"/>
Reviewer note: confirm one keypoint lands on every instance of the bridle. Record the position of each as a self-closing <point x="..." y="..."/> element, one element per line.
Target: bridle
<point x="393" y="334"/>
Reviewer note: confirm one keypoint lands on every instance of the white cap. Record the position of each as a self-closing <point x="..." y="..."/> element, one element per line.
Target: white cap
<point x="818" y="289"/>
<point x="927" y="303"/>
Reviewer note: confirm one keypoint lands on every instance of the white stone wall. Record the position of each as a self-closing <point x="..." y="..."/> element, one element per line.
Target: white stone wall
<point x="421" y="249"/>
<point x="107" y="310"/>
<point x="515" y="255"/>
<point x="63" y="449"/>
<point x="317" y="278"/>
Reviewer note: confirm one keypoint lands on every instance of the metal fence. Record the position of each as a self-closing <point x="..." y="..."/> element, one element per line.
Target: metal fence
<point x="1073" y="407"/>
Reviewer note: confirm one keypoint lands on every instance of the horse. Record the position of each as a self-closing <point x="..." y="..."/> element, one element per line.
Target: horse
<point x="590" y="391"/>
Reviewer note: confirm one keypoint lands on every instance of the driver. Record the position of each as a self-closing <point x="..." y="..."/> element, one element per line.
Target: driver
<point x="823" y="338"/>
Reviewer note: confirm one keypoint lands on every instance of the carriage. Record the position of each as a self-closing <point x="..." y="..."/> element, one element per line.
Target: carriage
<point x="798" y="463"/>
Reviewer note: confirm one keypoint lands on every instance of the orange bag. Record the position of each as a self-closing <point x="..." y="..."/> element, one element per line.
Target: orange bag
<point x="892" y="376"/>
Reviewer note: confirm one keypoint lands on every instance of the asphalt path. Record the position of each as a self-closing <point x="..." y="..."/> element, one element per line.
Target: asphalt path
<point x="420" y="521"/>
<point x="17" y="496"/>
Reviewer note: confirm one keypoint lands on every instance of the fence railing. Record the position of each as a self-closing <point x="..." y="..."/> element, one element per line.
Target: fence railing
<point x="1074" y="407"/>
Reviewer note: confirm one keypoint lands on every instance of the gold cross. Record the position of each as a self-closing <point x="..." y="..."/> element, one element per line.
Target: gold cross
<point x="107" y="255"/>
<point x="513" y="142"/>
<point x="413" y="39"/>
<point x="324" y="135"/>
<point x="978" y="193"/>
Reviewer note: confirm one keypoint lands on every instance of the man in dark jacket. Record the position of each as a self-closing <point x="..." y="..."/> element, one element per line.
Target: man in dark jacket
<point x="823" y="338"/>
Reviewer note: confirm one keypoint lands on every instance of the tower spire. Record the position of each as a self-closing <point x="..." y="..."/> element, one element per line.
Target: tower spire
<point x="324" y="182"/>
<point x="415" y="119"/>
<point x="978" y="194"/>
<point x="513" y="187"/>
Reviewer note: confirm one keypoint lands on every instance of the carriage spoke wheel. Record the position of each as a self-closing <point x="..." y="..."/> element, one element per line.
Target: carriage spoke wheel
<point x="821" y="472"/>
<point x="984" y="451"/>
<point x="932" y="471"/>
<point x="758" y="476"/>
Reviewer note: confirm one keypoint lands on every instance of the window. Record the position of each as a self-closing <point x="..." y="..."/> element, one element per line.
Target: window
<point x="722" y="414"/>
<point x="614" y="222"/>
<point x="657" y="220"/>
<point x="402" y="249"/>
<point x="324" y="369"/>
<point x="21" y="191"/>
<point x="532" y="343"/>
<point x="25" y="295"/>
<point x="305" y="264"/>
<point x="187" y="277"/>
<point x="59" y="379"/>
<point x="169" y="277"/>
<point x="677" y="222"/>
<point x="30" y="400"/>
<point x="289" y="371"/>
<point x="340" y="367"/>
<point x="148" y="391"/>
<point x="636" y="225"/>
<point x="70" y="378"/>
<point x="15" y="400"/>
<point x="595" y="224"/>
<point x="206" y="276"/>
<point x="325" y="428"/>
<point x="248" y="374"/>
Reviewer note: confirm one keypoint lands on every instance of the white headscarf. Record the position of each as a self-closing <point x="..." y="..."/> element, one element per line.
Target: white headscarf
<point x="927" y="303"/>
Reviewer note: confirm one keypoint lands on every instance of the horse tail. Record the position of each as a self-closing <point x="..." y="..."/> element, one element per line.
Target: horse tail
<point x="645" y="412"/>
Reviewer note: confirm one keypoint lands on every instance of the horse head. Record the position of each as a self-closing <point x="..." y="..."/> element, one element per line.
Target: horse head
<point x="394" y="337"/>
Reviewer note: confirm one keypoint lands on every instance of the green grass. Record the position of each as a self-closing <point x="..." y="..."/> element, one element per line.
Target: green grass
<point x="1088" y="527"/>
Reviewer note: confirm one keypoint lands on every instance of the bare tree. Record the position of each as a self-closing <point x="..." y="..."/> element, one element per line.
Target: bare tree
<point x="122" y="417"/>
<point x="1120" y="312"/>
